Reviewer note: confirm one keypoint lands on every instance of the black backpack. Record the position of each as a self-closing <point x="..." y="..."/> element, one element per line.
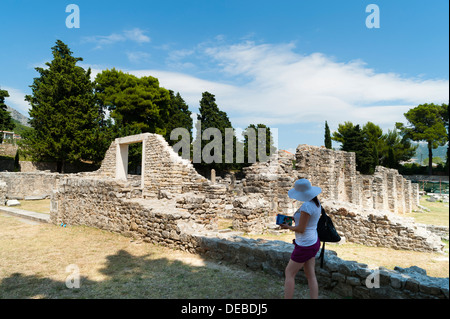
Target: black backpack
<point x="326" y="232"/>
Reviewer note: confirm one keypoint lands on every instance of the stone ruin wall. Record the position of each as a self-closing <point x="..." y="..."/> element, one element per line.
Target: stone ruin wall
<point x="103" y="204"/>
<point x="166" y="175"/>
<point x="180" y="210"/>
<point x="335" y="172"/>
<point x="365" y="209"/>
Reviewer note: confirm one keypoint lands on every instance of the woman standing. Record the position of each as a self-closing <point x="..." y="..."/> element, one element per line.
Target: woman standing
<point x="307" y="242"/>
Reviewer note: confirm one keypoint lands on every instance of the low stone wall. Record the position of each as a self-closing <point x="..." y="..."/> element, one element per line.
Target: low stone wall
<point x="344" y="278"/>
<point x="381" y="228"/>
<point x="3" y="189"/>
<point x="20" y="185"/>
<point x="104" y="204"/>
<point x="7" y="149"/>
<point x="206" y="206"/>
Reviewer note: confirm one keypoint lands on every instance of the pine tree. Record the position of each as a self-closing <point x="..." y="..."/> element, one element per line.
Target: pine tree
<point x="426" y="123"/>
<point x="63" y="113"/>
<point x="139" y="103"/>
<point x="327" y="141"/>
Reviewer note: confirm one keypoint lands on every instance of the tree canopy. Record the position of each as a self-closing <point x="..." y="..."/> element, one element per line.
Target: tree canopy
<point x="6" y="123"/>
<point x="212" y="120"/>
<point x="138" y="103"/>
<point x="256" y="147"/>
<point x="427" y="122"/>
<point x="372" y="147"/>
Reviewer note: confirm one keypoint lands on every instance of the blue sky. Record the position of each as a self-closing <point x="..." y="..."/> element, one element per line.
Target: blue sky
<point x="289" y="64"/>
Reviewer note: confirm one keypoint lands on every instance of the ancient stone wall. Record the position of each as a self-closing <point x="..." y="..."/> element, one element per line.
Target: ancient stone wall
<point x="381" y="228"/>
<point x="335" y="172"/>
<point x="102" y="203"/>
<point x="20" y="185"/>
<point x="273" y="179"/>
<point x="366" y="208"/>
<point x="162" y="169"/>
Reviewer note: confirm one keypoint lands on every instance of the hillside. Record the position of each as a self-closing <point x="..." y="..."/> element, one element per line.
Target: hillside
<point x="17" y="116"/>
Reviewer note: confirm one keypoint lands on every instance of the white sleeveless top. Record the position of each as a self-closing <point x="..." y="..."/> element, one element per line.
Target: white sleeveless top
<point x="309" y="237"/>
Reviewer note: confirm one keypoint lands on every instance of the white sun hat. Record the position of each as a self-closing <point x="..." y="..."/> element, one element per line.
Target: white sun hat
<point x="303" y="191"/>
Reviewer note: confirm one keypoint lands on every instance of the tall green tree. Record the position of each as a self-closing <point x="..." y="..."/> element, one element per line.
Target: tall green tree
<point x="6" y="123"/>
<point x="63" y="112"/>
<point x="425" y="123"/>
<point x="254" y="144"/>
<point x="372" y="147"/>
<point x="401" y="147"/>
<point x="211" y="117"/>
<point x="179" y="116"/>
<point x="327" y="140"/>
<point x="139" y="103"/>
<point x="445" y="118"/>
<point x="356" y="141"/>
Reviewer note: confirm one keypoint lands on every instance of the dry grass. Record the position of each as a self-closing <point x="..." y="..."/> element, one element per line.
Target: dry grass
<point x="39" y="206"/>
<point x="438" y="214"/>
<point x="34" y="257"/>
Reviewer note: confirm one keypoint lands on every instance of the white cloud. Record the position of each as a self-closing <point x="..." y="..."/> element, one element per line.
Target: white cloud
<point x="135" y="35"/>
<point x="16" y="100"/>
<point x="274" y="85"/>
<point x="138" y="56"/>
<point x="278" y="86"/>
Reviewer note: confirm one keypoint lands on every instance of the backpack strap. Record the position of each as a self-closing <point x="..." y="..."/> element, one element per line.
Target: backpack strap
<point x="322" y="255"/>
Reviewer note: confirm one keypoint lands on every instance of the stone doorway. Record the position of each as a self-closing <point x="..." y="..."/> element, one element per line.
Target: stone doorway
<point x="122" y="147"/>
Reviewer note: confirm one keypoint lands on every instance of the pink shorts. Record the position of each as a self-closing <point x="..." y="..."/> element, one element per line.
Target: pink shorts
<point x="302" y="254"/>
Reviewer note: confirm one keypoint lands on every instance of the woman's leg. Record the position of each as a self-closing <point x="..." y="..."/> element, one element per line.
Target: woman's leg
<point x="292" y="269"/>
<point x="310" y="273"/>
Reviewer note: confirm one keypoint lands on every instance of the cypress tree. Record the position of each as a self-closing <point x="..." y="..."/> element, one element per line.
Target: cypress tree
<point x="327" y="141"/>
<point x="63" y="113"/>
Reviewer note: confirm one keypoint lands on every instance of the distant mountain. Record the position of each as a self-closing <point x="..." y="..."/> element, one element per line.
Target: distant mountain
<point x="422" y="152"/>
<point x="22" y="119"/>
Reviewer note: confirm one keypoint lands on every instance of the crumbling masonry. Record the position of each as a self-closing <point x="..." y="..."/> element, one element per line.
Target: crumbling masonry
<point x="171" y="204"/>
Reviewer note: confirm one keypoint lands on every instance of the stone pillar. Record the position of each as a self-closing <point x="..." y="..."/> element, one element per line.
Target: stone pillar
<point x="233" y="181"/>
<point x="122" y="162"/>
<point x="213" y="176"/>
<point x="401" y="195"/>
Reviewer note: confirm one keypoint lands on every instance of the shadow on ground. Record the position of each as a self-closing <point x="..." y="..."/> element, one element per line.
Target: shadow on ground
<point x="128" y="276"/>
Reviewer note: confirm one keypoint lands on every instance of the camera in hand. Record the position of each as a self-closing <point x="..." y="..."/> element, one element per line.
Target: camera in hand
<point x="284" y="219"/>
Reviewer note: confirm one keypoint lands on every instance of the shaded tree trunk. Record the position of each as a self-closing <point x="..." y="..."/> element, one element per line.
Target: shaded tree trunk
<point x="430" y="159"/>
